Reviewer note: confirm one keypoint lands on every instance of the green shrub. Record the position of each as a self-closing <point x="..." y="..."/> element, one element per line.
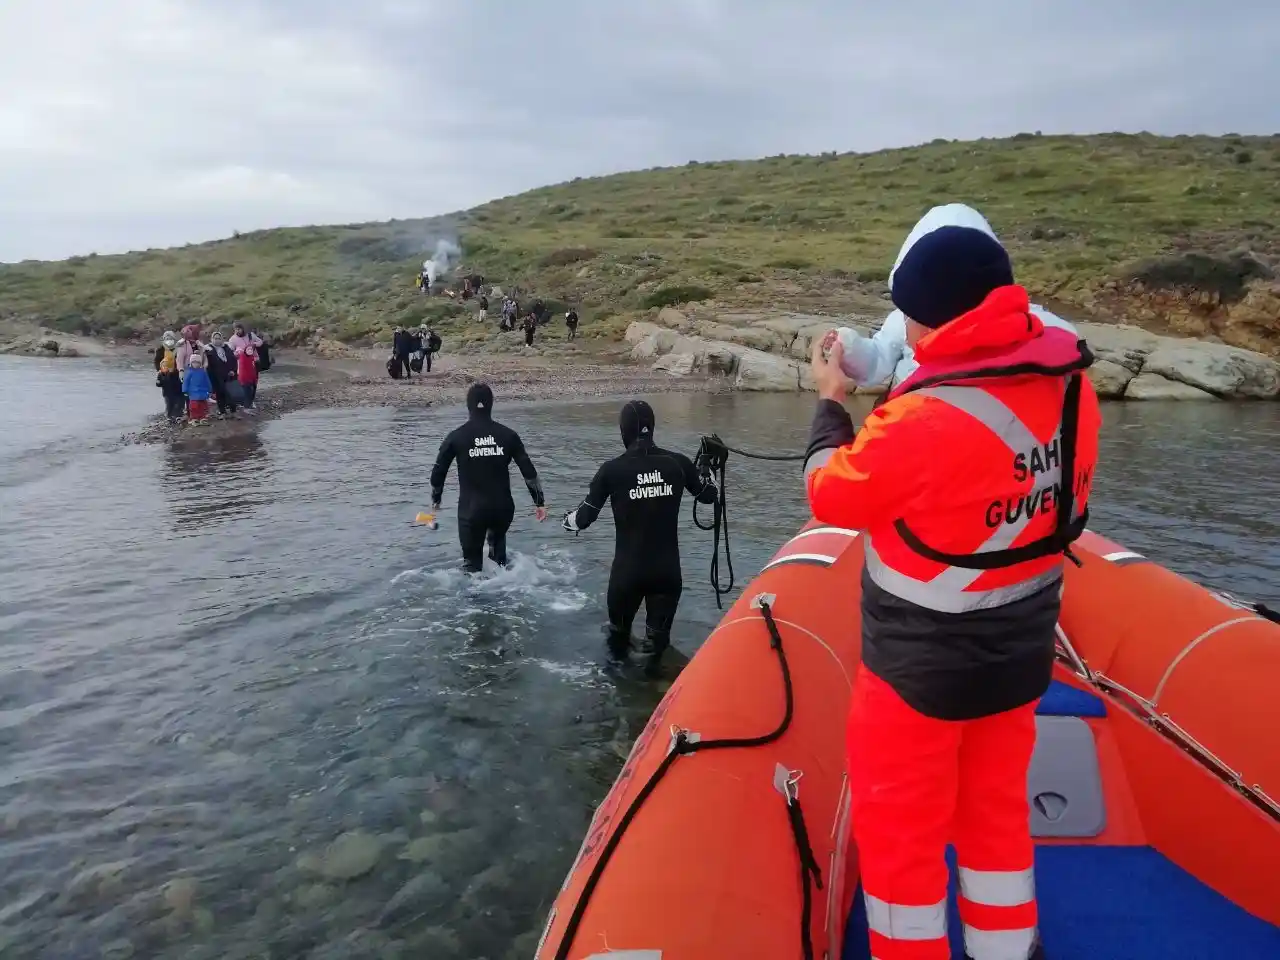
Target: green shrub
<point x="1226" y="276"/>
<point x="674" y="296"/>
<point x="567" y="255"/>
<point x="790" y="263"/>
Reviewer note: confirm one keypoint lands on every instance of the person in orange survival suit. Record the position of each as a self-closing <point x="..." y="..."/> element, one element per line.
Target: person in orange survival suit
<point x="970" y="482"/>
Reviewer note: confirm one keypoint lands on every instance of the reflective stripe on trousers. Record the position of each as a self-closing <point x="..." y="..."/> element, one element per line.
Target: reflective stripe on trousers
<point x="998" y="909"/>
<point x="917" y="784"/>
<point x="947" y="591"/>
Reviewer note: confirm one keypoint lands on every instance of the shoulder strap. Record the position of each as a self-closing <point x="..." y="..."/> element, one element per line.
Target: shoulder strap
<point x="1066" y="530"/>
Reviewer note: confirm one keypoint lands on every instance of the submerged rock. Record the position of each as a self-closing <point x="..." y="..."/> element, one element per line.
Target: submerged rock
<point x="180" y="895"/>
<point x="351" y="855"/>
<point x="424" y="894"/>
<point x="314" y="896"/>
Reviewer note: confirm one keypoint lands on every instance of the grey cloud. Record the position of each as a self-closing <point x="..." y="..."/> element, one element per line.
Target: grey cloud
<point x="151" y="122"/>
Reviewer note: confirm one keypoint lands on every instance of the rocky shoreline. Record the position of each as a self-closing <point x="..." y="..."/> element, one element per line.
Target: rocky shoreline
<point x="684" y="351"/>
<point x="760" y="351"/>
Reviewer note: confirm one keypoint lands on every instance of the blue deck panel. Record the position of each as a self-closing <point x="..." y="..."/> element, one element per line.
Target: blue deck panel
<point x="1063" y="700"/>
<point x="1119" y="903"/>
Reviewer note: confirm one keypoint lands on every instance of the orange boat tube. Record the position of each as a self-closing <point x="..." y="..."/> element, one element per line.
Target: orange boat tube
<point x="709" y="861"/>
<point x="1201" y="668"/>
<point x="1152" y="789"/>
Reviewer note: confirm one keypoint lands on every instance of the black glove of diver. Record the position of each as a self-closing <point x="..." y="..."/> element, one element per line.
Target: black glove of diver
<point x="570" y="521"/>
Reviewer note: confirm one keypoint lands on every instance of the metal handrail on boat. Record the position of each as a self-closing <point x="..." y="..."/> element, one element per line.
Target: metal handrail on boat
<point x="1140" y="705"/>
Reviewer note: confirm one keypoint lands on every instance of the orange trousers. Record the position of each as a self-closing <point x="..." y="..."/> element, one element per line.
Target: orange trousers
<point x="917" y="784"/>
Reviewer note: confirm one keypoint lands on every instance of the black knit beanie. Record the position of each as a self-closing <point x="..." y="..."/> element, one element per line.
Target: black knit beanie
<point x="949" y="272"/>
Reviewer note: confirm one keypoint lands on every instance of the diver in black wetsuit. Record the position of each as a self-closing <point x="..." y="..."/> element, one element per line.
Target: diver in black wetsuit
<point x="645" y="486"/>
<point x="484" y="449"/>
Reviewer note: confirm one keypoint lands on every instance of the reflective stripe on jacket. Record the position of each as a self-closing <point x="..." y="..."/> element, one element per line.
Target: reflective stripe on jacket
<point x="1007" y="520"/>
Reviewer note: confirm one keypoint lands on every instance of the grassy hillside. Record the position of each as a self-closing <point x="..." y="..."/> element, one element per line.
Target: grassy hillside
<point x="1168" y="232"/>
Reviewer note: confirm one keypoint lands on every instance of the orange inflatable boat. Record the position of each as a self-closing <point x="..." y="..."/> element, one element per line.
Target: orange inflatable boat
<point x="1153" y="785"/>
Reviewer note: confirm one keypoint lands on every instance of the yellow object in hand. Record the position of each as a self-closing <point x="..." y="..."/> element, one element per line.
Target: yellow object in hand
<point x="427" y="520"/>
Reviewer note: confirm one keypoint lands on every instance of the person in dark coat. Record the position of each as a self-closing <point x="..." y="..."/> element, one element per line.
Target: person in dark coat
<point x="431" y="344"/>
<point x="221" y="364"/>
<point x="402" y="348"/>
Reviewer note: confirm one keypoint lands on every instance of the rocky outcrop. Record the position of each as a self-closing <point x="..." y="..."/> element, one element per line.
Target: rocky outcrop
<point x="1152" y="386"/>
<point x="39" y="346"/>
<point x="1161" y="365"/>
<point x="1220" y="370"/>
<point x="1110" y="378"/>
<point x="771" y="352"/>
<point x="681" y="356"/>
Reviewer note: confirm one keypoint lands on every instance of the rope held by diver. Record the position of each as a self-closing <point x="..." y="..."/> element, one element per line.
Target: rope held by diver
<point x="776" y="457"/>
<point x="711" y="461"/>
<point x="681" y="745"/>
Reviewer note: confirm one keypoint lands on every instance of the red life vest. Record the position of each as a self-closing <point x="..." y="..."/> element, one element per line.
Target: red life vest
<point x="1049" y="482"/>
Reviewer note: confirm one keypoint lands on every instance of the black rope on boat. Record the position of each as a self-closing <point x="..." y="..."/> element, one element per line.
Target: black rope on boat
<point x="681" y="745"/>
<point x="711" y="461"/>
<point x="809" y="869"/>
<point x="1267" y="613"/>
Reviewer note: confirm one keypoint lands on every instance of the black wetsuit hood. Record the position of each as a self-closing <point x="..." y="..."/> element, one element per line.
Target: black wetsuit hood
<point x="636" y="422"/>
<point x="480" y="400"/>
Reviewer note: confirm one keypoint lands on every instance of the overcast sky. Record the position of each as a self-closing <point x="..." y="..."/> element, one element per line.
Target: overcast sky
<point x="127" y="124"/>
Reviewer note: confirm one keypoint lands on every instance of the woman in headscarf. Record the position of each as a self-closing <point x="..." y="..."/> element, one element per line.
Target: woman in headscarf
<point x="222" y="373"/>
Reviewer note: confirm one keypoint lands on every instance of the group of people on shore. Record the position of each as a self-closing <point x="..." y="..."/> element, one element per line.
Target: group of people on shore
<point x="411" y="351"/>
<point x="536" y="316"/>
<point x="191" y="372"/>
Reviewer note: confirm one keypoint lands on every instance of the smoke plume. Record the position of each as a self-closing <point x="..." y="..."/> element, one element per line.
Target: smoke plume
<point x="441" y="261"/>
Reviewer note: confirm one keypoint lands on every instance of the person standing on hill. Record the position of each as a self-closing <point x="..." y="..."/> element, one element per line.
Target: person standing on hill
<point x="571" y="321"/>
<point x="971" y="482"/>
<point x="644" y="487"/>
<point x="484" y="308"/>
<point x="530" y="325"/>
<point x="484" y="450"/>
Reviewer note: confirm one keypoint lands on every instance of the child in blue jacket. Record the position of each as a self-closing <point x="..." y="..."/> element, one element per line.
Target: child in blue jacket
<point x="198" y="388"/>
